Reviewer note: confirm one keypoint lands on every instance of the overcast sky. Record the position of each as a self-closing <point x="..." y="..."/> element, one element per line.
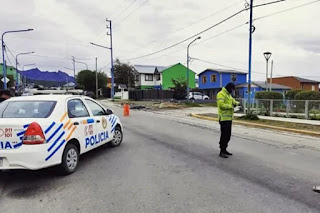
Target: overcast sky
<point x="64" y="28"/>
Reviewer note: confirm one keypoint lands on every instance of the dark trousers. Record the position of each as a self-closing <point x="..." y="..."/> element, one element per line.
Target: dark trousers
<point x="225" y="129"/>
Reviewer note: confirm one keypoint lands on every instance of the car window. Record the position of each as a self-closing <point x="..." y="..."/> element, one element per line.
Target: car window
<point x="77" y="109"/>
<point x="27" y="109"/>
<point x="95" y="108"/>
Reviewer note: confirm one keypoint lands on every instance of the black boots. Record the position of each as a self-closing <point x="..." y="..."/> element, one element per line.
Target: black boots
<point x="223" y="155"/>
<point x="228" y="153"/>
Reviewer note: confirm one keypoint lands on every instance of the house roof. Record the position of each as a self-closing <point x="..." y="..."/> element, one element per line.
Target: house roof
<point x="224" y="71"/>
<point x="148" y="69"/>
<point x="263" y="85"/>
<point x="304" y="80"/>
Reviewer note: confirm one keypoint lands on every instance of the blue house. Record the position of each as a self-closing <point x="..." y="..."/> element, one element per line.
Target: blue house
<point x="211" y="81"/>
<point x="257" y="86"/>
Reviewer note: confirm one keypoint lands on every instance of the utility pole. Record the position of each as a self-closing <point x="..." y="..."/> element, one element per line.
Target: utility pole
<point x="74" y="68"/>
<point x="97" y="87"/>
<point x="111" y="48"/>
<point x="250" y="57"/>
<point x="271" y="75"/>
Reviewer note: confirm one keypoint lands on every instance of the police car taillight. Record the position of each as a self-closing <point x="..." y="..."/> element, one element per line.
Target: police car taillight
<point x="34" y="135"/>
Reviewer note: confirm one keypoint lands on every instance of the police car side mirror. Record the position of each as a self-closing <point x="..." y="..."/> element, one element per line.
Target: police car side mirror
<point x="109" y="112"/>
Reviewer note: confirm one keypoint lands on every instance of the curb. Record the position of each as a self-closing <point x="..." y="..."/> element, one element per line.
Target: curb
<point x="317" y="134"/>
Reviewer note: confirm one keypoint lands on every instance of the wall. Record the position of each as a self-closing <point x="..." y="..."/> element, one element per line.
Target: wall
<point x="226" y="78"/>
<point x="147" y="83"/>
<point x="175" y="72"/>
<point x="287" y="81"/>
<point x="308" y="86"/>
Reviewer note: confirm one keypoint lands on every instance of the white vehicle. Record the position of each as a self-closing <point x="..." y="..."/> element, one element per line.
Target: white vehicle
<point x="197" y="96"/>
<point x="47" y="130"/>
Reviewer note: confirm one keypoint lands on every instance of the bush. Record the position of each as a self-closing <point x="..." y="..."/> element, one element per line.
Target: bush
<point x="269" y="95"/>
<point x="250" y="116"/>
<point x="266" y="96"/>
<point x="307" y="95"/>
<point x="292" y="93"/>
<point x="180" y="87"/>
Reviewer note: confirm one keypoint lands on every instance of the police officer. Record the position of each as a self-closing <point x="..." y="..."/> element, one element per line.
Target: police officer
<point x="226" y="104"/>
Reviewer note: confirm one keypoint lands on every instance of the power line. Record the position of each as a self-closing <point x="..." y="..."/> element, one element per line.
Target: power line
<point x="132" y="12"/>
<point x="124" y="9"/>
<point x="193" y="23"/>
<point x="217" y="35"/>
<point x="215" y="25"/>
<point x="224" y="20"/>
<point x="5" y="50"/>
<point x="283" y="11"/>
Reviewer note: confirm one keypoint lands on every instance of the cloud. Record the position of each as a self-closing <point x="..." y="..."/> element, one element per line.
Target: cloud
<point x="64" y="28"/>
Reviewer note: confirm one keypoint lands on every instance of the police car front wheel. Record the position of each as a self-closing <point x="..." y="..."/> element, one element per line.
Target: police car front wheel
<point x="70" y="159"/>
<point x="117" y="138"/>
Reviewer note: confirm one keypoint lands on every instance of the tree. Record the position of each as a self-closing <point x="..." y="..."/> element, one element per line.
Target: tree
<point x="124" y="74"/>
<point x="180" y="87"/>
<point x="87" y="80"/>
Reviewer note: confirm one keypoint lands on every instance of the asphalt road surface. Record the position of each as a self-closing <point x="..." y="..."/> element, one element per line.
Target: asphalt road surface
<point x="171" y="164"/>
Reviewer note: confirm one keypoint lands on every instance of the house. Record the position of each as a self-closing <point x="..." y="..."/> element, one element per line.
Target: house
<point x="258" y="86"/>
<point x="10" y="73"/>
<point x="211" y="81"/>
<point x="160" y="77"/>
<point x="177" y="72"/>
<point x="297" y="83"/>
<point x="148" y="76"/>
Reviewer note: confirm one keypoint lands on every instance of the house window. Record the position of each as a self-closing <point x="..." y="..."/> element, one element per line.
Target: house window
<point x="213" y="78"/>
<point x="233" y="78"/>
<point x="158" y="77"/>
<point x="149" y="77"/>
<point x="136" y="78"/>
<point x="204" y="79"/>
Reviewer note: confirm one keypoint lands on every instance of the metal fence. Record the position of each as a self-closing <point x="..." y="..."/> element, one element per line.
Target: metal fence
<point x="284" y="108"/>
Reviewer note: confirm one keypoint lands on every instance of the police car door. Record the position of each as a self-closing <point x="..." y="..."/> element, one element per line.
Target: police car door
<point x="102" y="126"/>
<point x="80" y="121"/>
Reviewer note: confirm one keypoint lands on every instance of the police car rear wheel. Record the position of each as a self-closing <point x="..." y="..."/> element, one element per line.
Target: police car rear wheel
<point x="117" y="138"/>
<point x="70" y="159"/>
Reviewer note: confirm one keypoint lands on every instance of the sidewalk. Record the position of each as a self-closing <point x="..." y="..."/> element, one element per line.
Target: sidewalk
<point x="214" y="110"/>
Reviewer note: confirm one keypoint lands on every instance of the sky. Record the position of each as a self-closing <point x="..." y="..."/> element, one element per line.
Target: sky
<point x="65" y="28"/>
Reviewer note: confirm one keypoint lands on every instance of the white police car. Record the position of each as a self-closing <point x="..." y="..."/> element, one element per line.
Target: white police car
<point x="46" y="130"/>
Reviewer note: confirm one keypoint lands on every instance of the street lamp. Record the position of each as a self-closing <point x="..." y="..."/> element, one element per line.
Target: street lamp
<point x="112" y="74"/>
<point x="17" y="74"/>
<point x="23" y="71"/>
<point x="188" y="60"/>
<point x="3" y="48"/>
<point x="267" y="56"/>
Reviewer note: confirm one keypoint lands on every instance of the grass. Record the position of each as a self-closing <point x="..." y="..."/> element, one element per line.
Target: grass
<point x="289" y="125"/>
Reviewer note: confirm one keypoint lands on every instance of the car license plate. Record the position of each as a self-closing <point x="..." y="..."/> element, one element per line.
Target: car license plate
<point x="1" y="162"/>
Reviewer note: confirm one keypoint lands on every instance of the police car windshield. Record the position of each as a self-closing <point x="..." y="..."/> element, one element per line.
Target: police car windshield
<point x="26" y="109"/>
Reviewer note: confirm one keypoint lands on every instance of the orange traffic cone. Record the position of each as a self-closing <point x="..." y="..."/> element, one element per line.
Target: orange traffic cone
<point x="126" y="110"/>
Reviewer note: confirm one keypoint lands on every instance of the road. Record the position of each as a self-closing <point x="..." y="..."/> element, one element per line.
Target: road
<point x="170" y="163"/>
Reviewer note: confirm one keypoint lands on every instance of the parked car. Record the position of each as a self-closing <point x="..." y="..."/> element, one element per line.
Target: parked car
<point x="41" y="131"/>
<point x="197" y="96"/>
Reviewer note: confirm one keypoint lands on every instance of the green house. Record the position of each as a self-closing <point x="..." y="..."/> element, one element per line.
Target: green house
<point x="11" y="74"/>
<point x="160" y="77"/>
<point x="177" y="72"/>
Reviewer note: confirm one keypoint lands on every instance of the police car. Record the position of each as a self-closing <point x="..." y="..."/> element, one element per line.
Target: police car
<point x="47" y="130"/>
